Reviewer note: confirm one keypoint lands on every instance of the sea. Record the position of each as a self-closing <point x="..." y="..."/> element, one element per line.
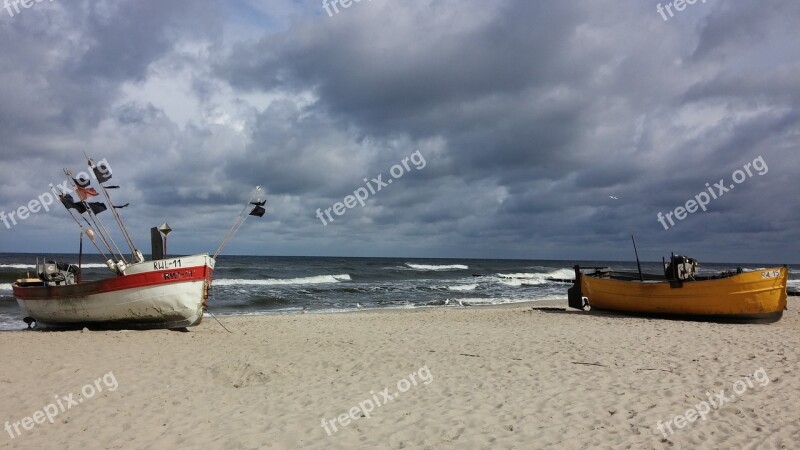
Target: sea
<point x="256" y="285"/>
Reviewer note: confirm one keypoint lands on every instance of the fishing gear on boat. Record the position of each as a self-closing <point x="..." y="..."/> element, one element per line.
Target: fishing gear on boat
<point x="84" y="191"/>
<point x="69" y="204"/>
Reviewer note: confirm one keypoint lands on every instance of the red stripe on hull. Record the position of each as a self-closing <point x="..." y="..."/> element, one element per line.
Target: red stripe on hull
<point x="147" y="279"/>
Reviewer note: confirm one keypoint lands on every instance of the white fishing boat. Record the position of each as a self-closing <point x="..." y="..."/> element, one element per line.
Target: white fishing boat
<point x="160" y="293"/>
<point x="169" y="293"/>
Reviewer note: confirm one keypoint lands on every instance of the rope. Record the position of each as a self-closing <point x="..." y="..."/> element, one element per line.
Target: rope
<point x="215" y="318"/>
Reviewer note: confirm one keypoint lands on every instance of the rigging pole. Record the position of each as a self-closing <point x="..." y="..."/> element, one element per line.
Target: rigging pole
<point x="101" y="229"/>
<point x="136" y="255"/>
<point x="83" y="230"/>
<point x="255" y="199"/>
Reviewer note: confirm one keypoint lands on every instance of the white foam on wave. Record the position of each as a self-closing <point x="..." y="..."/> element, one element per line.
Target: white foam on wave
<point x="476" y="301"/>
<point x="10" y="322"/>
<point x="437" y="267"/>
<point x="793" y="283"/>
<point x="33" y="266"/>
<point x="463" y="287"/>
<point x="533" y="279"/>
<point x="522" y="282"/>
<point x="5" y="287"/>
<point x="559" y="273"/>
<point x="319" y="279"/>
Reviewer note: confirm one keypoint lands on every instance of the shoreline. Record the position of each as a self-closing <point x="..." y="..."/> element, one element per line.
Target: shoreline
<point x="208" y="317"/>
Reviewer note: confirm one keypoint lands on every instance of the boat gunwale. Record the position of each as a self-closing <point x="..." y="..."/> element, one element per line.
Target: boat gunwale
<point x="153" y="278"/>
<point x="621" y="275"/>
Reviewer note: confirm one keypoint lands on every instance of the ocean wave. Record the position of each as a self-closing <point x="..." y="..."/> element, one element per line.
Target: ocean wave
<point x="478" y="301"/>
<point x="15" y="325"/>
<point x="789" y="283"/>
<point x="437" y="267"/>
<point x="558" y="273"/>
<point x="463" y="287"/>
<point x="516" y="282"/>
<point x="533" y="279"/>
<point x="468" y="301"/>
<point x="5" y="287"/>
<point x="520" y="275"/>
<point x="33" y="266"/>
<point x="17" y="266"/>
<point x="319" y="279"/>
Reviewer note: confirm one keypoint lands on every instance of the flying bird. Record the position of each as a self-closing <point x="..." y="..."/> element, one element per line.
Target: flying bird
<point x="612" y="197"/>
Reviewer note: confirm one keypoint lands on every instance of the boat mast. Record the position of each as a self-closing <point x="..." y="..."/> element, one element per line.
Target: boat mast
<point x="136" y="255"/>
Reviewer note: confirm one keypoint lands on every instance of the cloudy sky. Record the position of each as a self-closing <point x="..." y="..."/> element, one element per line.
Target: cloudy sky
<point x="548" y="129"/>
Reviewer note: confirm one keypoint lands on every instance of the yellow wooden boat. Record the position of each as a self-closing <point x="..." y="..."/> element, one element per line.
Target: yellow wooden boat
<point x="731" y="296"/>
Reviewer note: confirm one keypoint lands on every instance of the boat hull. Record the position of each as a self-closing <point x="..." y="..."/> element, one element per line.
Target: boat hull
<point x="152" y="294"/>
<point x="751" y="296"/>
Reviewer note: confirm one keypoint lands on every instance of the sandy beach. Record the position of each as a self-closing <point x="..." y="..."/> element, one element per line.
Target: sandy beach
<point x="510" y="377"/>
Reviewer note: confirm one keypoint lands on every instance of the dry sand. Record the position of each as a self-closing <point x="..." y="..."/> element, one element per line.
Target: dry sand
<point x="508" y="377"/>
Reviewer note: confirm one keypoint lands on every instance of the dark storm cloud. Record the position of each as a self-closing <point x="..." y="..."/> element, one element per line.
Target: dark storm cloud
<point x="126" y="37"/>
<point x="67" y="60"/>
<point x="63" y="66"/>
<point x="531" y="116"/>
<point x="555" y="106"/>
<point x="408" y="70"/>
<point x="745" y="23"/>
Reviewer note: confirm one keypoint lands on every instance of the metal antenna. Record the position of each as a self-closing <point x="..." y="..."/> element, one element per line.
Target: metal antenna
<point x="638" y="264"/>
